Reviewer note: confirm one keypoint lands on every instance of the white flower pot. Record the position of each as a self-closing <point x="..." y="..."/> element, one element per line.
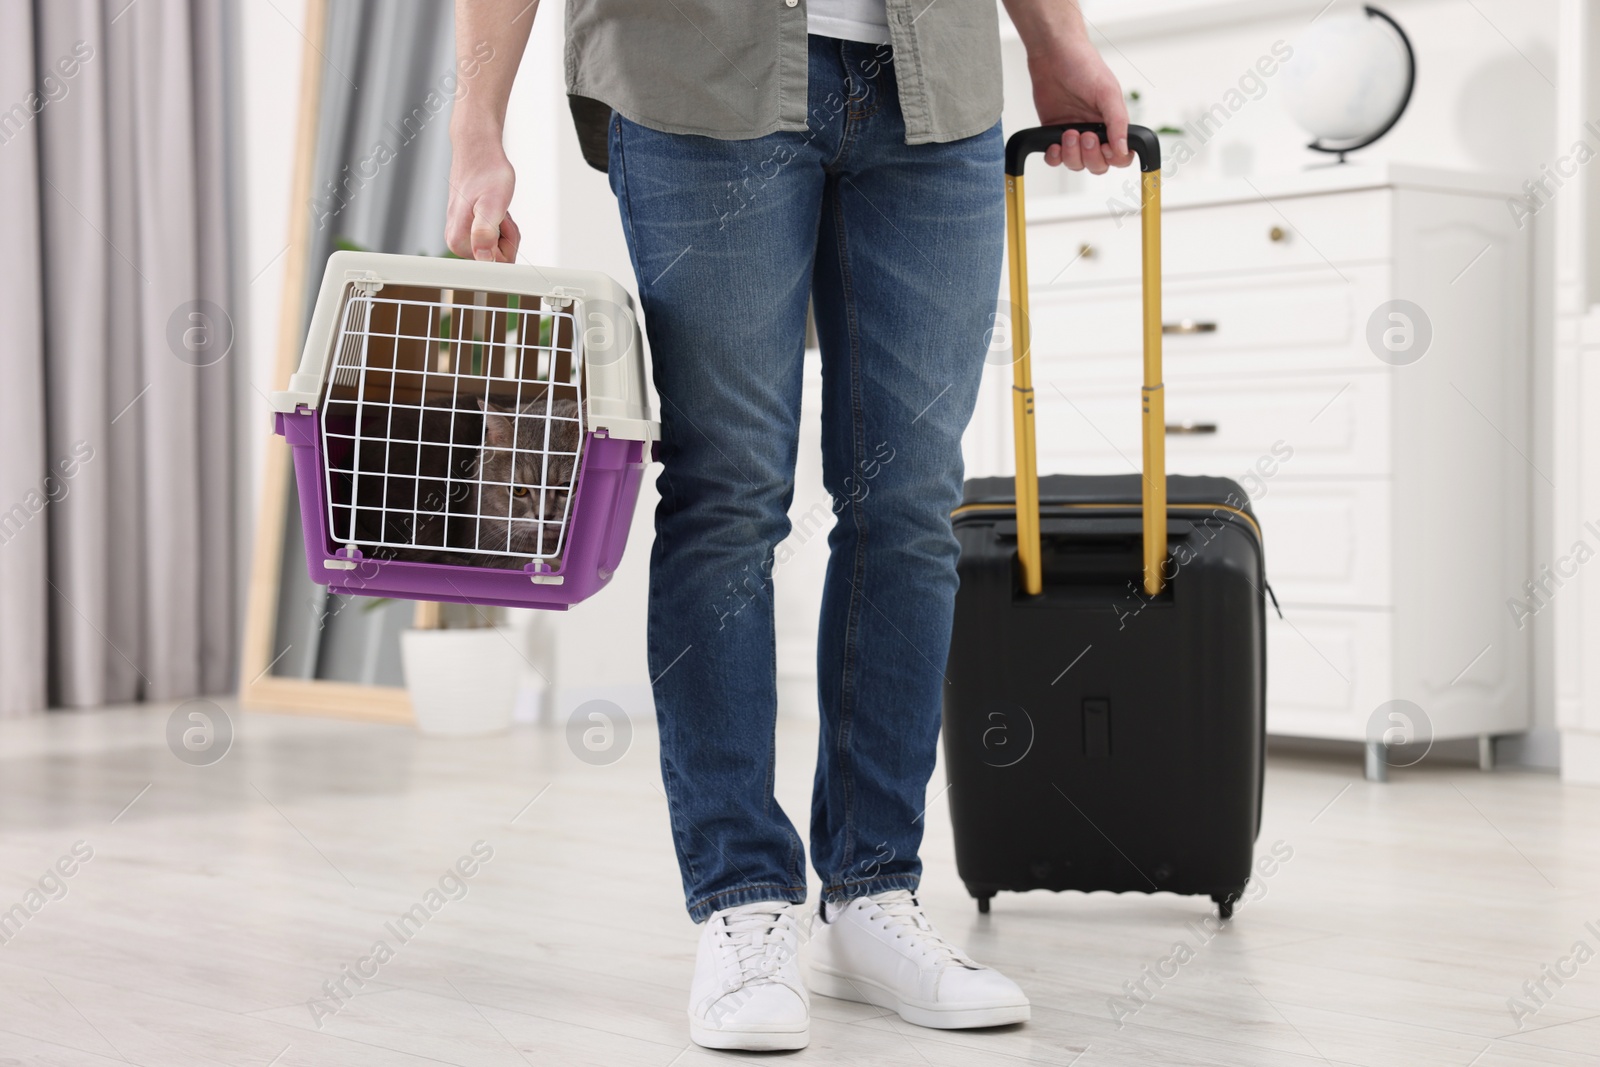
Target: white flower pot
<point x="462" y="682"/>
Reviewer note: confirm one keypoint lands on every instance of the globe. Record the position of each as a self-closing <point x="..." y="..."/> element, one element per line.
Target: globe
<point x="1349" y="78"/>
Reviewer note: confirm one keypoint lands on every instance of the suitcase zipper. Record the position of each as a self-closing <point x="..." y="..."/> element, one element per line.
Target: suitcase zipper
<point x="1246" y="516"/>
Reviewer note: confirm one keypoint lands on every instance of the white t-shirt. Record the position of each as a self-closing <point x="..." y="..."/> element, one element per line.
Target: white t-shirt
<point x="866" y="21"/>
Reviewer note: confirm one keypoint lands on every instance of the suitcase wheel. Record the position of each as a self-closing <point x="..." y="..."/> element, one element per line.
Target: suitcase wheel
<point x="1224" y="902"/>
<point x="983" y="904"/>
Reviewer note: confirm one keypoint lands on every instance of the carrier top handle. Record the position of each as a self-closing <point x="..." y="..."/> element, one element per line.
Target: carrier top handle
<point x="1145" y="145"/>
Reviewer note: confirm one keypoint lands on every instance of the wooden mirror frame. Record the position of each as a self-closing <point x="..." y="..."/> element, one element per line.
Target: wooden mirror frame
<point x="259" y="689"/>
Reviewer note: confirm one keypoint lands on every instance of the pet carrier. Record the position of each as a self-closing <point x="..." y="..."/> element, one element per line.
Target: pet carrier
<point x="464" y="431"/>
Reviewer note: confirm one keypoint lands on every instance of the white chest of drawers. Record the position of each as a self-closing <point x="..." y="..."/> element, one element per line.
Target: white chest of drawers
<point x="1394" y="498"/>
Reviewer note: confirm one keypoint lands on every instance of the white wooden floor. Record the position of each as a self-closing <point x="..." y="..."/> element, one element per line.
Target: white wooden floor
<point x="216" y="906"/>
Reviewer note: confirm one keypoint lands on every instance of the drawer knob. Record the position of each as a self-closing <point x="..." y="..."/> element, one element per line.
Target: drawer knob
<point x="1190" y="429"/>
<point x="1278" y="234"/>
<point x="1188" y="326"/>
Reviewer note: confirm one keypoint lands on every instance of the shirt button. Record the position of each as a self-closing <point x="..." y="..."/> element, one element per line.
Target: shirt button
<point x="790" y="3"/>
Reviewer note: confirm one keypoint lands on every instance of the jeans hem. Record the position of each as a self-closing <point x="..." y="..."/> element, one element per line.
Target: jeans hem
<point x="702" y="909"/>
<point x="844" y="892"/>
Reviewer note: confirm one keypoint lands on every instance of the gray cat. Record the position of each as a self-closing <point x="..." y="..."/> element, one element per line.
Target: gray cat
<point x="515" y="513"/>
<point x="458" y="484"/>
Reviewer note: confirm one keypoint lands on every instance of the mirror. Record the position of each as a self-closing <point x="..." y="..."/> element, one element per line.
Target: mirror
<point x="372" y="164"/>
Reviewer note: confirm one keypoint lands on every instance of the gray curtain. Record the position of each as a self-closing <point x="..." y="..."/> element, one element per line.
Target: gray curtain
<point x="380" y="182"/>
<point x="119" y="401"/>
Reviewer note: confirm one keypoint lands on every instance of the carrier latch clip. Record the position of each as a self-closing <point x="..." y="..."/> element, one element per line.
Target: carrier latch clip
<point x="561" y="297"/>
<point x="345" y="559"/>
<point x="364" y="281"/>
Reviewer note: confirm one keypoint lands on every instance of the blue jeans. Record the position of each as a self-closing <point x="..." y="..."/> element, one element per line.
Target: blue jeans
<point x="899" y="247"/>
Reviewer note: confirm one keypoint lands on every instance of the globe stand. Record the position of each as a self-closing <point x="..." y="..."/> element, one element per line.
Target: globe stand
<point x="1411" y="83"/>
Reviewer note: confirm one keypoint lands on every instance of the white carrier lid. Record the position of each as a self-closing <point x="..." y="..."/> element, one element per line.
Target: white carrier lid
<point x="608" y="338"/>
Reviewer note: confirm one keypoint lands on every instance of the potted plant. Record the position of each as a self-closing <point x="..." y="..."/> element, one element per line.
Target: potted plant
<point x="461" y="669"/>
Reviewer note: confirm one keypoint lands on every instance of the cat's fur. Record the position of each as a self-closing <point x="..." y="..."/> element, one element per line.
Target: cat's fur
<point x="516" y="460"/>
<point x="451" y="481"/>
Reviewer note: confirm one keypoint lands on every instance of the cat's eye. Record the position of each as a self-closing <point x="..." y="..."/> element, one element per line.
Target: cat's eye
<point x="519" y="491"/>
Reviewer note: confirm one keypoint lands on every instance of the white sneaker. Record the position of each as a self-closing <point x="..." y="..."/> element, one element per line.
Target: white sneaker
<point x="883" y="950"/>
<point x="747" y="991"/>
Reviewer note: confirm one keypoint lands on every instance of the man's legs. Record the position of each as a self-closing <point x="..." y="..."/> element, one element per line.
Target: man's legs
<point x="725" y="242"/>
<point x="908" y="267"/>
<point x="722" y="235"/>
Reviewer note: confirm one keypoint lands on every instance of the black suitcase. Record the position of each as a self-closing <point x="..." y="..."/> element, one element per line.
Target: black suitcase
<point x="1104" y="721"/>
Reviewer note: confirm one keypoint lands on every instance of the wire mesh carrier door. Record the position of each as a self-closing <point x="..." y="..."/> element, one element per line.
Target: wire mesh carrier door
<point x="467" y="431"/>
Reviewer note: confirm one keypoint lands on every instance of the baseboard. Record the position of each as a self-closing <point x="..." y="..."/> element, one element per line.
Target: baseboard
<point x="1580" y="757"/>
<point x="1536" y="750"/>
<point x="1539" y="749"/>
<point x="1461" y="752"/>
<point x="634" y="701"/>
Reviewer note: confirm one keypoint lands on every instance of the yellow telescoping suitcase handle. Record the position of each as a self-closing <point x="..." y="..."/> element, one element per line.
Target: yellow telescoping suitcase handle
<point x="1019" y="147"/>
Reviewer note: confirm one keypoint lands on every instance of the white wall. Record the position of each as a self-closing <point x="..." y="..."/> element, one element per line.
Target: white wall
<point x="1484" y="100"/>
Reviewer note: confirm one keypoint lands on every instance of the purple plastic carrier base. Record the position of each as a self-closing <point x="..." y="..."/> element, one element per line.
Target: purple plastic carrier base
<point x="598" y="520"/>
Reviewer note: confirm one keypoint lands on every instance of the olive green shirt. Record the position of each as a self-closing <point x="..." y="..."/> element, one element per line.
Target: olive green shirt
<point x="736" y="69"/>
